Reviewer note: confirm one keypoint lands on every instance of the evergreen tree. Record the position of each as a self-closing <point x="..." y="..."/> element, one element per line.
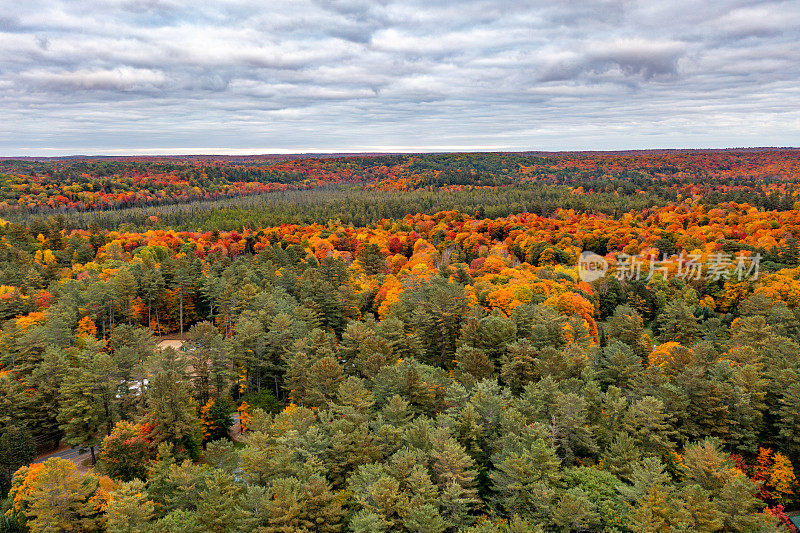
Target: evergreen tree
<point x="677" y="323"/>
<point x="16" y="449"/>
<point x="627" y="326"/>
<point x="647" y="422"/>
<point x="372" y="259"/>
<point x="131" y="348"/>
<point x="519" y="365"/>
<point x="435" y="310"/>
<point x="208" y="357"/>
<point x="152" y="285"/>
<point x="216" y="419"/>
<point x="172" y="411"/>
<point x="184" y="274"/>
<point x="367" y="522"/>
<point x="220" y="508"/>
<point x="85" y="410"/>
<point x="425" y="519"/>
<point x="524" y="482"/>
<point x="129" y="510"/>
<point x="473" y="365"/>
<point x="788" y="411"/>
<point x="617" y="364"/>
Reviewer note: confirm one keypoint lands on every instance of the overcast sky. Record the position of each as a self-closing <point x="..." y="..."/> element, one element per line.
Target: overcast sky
<point x="184" y="76"/>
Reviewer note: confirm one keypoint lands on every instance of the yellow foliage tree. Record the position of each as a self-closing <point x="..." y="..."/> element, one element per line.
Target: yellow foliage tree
<point x="571" y="303"/>
<point x="781" y="478"/>
<point x="86" y="327"/>
<point x="671" y="356"/>
<point x="205" y="418"/>
<point x="24" y="322"/>
<point x="54" y="496"/>
<point x="244" y="415"/>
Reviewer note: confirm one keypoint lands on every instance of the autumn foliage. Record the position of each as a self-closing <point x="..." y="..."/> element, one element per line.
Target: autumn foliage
<point x="439" y="370"/>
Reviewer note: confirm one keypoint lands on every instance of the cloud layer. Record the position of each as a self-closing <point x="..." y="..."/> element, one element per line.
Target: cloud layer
<point x="230" y="76"/>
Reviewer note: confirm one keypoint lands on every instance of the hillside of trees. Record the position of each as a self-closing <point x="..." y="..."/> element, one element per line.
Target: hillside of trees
<point x="401" y="343"/>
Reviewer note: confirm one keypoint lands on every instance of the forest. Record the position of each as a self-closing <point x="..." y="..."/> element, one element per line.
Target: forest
<point x="402" y="342"/>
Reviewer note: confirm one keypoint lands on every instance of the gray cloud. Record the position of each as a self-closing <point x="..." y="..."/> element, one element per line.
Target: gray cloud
<point x="112" y="76"/>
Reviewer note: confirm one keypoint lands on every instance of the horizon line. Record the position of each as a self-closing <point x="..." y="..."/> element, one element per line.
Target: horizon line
<point x="376" y="151"/>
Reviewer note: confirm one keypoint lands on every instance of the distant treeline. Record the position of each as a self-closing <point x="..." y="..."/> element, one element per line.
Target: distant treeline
<point x="350" y="206"/>
<point x="766" y="179"/>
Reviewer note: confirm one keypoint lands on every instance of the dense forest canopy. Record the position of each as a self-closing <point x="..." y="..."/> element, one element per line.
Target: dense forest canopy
<point x="401" y="343"/>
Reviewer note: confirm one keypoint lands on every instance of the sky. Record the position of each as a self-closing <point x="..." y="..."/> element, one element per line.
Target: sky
<point x="113" y="77"/>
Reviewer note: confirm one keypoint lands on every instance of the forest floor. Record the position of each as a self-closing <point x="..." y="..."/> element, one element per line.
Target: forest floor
<point x="171" y="341"/>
